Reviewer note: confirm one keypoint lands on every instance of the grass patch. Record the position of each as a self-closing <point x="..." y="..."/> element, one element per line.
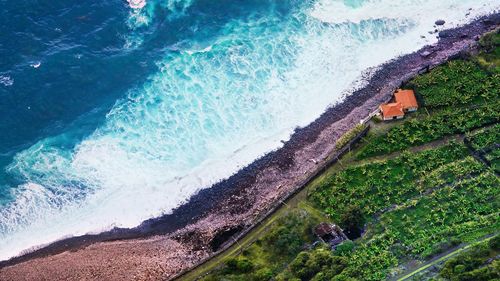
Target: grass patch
<point x="489" y="56"/>
<point x="267" y="256"/>
<point x="349" y="136"/>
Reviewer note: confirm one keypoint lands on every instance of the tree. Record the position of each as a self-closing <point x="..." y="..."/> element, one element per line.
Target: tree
<point x="352" y="221"/>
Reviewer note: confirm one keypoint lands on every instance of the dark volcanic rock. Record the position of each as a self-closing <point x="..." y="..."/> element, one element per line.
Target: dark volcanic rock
<point x="492" y="20"/>
<point x="440" y="22"/>
<point x="446" y="34"/>
<point x="488" y="22"/>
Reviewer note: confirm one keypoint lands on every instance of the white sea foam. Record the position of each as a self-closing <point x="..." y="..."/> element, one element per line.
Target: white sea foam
<point x="36" y="64"/>
<point x="209" y="110"/>
<point x="136" y="4"/>
<point x="6" y="80"/>
<point x="142" y="11"/>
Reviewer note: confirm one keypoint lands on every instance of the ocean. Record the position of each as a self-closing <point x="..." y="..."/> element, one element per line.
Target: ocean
<point x="113" y="112"/>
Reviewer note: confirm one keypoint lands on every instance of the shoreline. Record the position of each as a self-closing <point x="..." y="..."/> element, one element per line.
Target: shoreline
<point x="198" y="229"/>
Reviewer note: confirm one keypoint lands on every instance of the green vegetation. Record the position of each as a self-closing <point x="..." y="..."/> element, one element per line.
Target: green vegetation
<point x="489" y="56"/>
<point x="456" y="83"/>
<point x="494" y="158"/>
<point x="375" y="186"/>
<point x="477" y="264"/>
<point x="485" y="138"/>
<point x="436" y="126"/>
<point x="459" y="95"/>
<point x="474" y="261"/>
<point x="487" y="144"/>
<point x="424" y="227"/>
<point x="430" y="201"/>
<point x="349" y="136"/>
<point x="439" y="192"/>
<point x="268" y="256"/>
<point x="317" y="265"/>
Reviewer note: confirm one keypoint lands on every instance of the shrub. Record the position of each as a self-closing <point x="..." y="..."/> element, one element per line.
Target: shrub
<point x="349" y="135"/>
<point x="238" y="265"/>
<point x="490" y="41"/>
<point x="478" y="263"/>
<point x="263" y="274"/>
<point x="489" y="56"/>
<point x="352" y="221"/>
<point x="289" y="235"/>
<point x="319" y="264"/>
<point x="345" y="248"/>
<point x="285" y="240"/>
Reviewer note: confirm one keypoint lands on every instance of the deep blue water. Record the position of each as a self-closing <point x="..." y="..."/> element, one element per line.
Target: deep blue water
<point x="85" y="66"/>
<point x="84" y="69"/>
<point x="110" y="115"/>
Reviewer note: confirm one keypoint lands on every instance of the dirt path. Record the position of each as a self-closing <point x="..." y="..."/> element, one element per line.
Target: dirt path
<point x="413" y="149"/>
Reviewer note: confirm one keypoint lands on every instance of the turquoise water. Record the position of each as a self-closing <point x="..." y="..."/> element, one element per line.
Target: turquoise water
<point x="113" y="115"/>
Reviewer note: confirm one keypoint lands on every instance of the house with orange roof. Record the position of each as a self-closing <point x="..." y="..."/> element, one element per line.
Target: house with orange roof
<point x="392" y="111"/>
<point x="407" y="100"/>
<point x="404" y="101"/>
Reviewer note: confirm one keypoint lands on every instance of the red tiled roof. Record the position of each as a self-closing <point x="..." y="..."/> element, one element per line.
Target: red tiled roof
<point x="390" y="110"/>
<point x="406" y="98"/>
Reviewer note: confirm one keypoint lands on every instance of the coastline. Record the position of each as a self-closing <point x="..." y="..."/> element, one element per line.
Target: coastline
<point x="195" y="231"/>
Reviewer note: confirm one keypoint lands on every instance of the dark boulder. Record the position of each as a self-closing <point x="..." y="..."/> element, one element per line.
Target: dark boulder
<point x="493" y="20"/>
<point x="446" y="34"/>
<point x="488" y="22"/>
<point x="440" y="22"/>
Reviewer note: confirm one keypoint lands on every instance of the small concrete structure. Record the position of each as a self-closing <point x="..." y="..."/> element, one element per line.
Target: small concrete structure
<point x="330" y="233"/>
